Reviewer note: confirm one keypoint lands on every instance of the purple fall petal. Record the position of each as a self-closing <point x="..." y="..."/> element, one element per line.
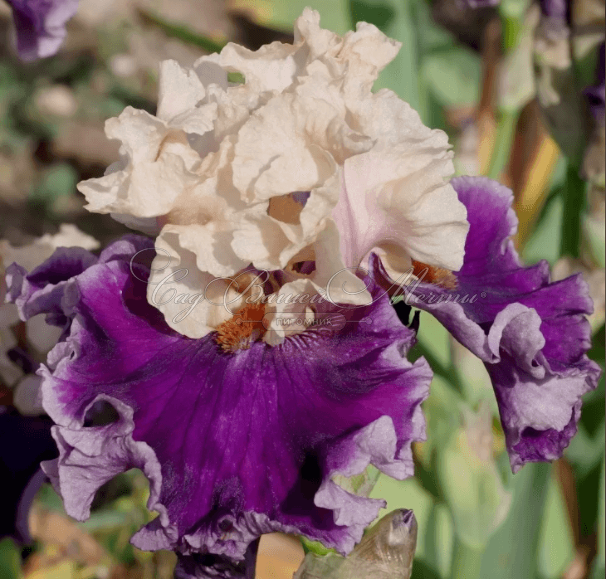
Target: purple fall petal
<point x="40" y="25"/>
<point x="234" y="445"/>
<point x="532" y="334"/>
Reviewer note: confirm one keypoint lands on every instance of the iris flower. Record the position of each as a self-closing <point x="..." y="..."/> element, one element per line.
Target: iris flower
<point x="238" y="402"/>
<point x="40" y="25"/>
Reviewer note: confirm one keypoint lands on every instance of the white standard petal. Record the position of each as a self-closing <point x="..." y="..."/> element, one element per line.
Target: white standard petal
<point x="270" y="68"/>
<point x="273" y="234"/>
<point x="179" y="90"/>
<point x="281" y="148"/>
<point x="367" y="52"/>
<point x="157" y="165"/>
<point x="388" y="121"/>
<point x="193" y="302"/>
<point x="398" y="200"/>
<point x="205" y="216"/>
<point x="338" y="283"/>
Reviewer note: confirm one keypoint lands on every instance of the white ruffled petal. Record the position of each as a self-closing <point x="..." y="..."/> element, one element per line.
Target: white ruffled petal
<point x="179" y="90"/>
<point x="301" y="163"/>
<point x="193" y="302"/>
<point x="398" y="199"/>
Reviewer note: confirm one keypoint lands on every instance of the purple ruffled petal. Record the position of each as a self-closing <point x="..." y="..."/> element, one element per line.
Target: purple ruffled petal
<point x="532" y="334"/>
<point x="234" y="445"/>
<point x="40" y="25"/>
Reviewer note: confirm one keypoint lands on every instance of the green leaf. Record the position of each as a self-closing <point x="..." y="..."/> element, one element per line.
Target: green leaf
<point x="105" y="520"/>
<point x="10" y="560"/>
<point x="49" y="498"/>
<point x="556" y="548"/>
<point x="315" y="547"/>
<point x="516" y="82"/>
<point x="281" y="15"/>
<point x="453" y="76"/>
<point x="601" y="531"/>
<point x="182" y="32"/>
<point x="471" y="482"/>
<point x="438" y="536"/>
<point x="575" y="194"/>
<point x="421" y="569"/>
<point x="513" y="549"/>
<point x="545" y="241"/>
<point x="434" y="339"/>
<point x="593" y="234"/>
<point x="58" y="182"/>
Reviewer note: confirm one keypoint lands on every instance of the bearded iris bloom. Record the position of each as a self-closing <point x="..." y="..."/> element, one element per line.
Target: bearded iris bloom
<point x="241" y="416"/>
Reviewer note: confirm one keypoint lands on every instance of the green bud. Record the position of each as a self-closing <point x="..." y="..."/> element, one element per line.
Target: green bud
<point x="386" y="552"/>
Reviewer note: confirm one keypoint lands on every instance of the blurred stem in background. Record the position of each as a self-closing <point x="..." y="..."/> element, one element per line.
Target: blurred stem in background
<point x="466" y="561"/>
<point x="503" y="140"/>
<point x="575" y="195"/>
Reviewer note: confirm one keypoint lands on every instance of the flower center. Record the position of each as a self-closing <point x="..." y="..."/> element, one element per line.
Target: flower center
<point x="246" y="327"/>
<point x="435" y="275"/>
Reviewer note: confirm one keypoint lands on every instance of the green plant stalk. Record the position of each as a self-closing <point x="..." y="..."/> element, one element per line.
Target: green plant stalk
<point x="575" y="194"/>
<point x="181" y="32"/>
<point x="503" y="140"/>
<point x="466" y="561"/>
<point x="512" y="25"/>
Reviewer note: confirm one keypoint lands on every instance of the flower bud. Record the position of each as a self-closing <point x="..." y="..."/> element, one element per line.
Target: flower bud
<point x="386" y="552"/>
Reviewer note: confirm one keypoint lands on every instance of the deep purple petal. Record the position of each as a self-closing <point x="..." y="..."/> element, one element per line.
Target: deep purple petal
<point x="42" y="289"/>
<point x="234" y="445"/>
<point x="532" y="334"/>
<point x="40" y="25"/>
<point x="26" y="441"/>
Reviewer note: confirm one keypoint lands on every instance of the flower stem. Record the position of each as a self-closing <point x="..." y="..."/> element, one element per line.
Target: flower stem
<point x="574" y="205"/>
<point x="503" y="141"/>
<point x="466" y="561"/>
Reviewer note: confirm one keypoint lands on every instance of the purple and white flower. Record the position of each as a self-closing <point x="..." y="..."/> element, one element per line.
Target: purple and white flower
<point x="241" y="423"/>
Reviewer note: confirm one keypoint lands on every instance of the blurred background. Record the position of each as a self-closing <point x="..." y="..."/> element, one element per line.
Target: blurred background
<point x="510" y="85"/>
